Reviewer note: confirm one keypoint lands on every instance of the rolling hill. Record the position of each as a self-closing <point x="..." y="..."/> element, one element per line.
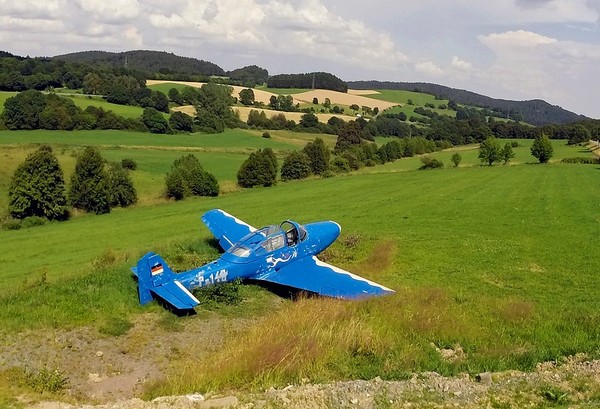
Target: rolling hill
<point x="536" y="112"/>
<point x="144" y="60"/>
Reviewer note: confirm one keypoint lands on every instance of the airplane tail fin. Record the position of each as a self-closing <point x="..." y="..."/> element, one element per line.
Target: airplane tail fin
<point x="155" y="277"/>
<point x="152" y="271"/>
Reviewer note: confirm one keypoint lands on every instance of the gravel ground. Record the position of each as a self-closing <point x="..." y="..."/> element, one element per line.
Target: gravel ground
<point x="573" y="383"/>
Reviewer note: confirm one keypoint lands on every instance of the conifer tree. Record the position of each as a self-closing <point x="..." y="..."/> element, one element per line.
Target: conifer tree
<point x="90" y="183"/>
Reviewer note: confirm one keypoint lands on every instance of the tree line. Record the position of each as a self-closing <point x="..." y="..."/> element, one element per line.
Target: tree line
<point x="320" y="80"/>
<point x="37" y="188"/>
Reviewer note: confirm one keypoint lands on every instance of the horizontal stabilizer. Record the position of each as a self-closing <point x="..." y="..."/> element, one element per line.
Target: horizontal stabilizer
<point x="312" y="274"/>
<point x="226" y="228"/>
<point x="175" y="294"/>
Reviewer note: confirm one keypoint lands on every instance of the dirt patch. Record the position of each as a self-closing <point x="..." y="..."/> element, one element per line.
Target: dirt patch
<point x="380" y="258"/>
<point x="105" y="368"/>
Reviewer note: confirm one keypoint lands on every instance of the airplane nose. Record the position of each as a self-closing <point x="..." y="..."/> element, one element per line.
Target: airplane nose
<point x="323" y="234"/>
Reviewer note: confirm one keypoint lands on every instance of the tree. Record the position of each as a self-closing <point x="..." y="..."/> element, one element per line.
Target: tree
<point x="247" y="96"/>
<point x="455" y="159"/>
<point x="319" y="155"/>
<point x="507" y="153"/>
<point x="578" y="134"/>
<point x="349" y="134"/>
<point x="181" y="122"/>
<point x="295" y="166"/>
<point x="188" y="178"/>
<point x="122" y="191"/>
<point x="542" y="148"/>
<point x="23" y="110"/>
<point x="309" y="120"/>
<point x="38" y="188"/>
<point x="90" y="184"/>
<point x="489" y="151"/>
<point x="354" y="107"/>
<point x="260" y="169"/>
<point x="175" y="96"/>
<point x="315" y="101"/>
<point x="155" y="121"/>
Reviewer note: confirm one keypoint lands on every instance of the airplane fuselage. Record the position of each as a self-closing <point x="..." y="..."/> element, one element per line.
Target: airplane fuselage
<point x="260" y="253"/>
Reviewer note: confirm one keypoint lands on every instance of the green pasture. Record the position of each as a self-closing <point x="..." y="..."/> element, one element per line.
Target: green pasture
<point x="127" y="111"/>
<point x="284" y="91"/>
<point x="231" y="139"/>
<point x="166" y="87"/>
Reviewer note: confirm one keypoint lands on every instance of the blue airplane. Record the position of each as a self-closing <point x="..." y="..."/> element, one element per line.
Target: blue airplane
<point x="283" y="254"/>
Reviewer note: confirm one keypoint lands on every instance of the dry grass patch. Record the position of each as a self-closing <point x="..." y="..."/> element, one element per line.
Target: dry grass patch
<point x="342" y="98"/>
<point x="295" y="116"/>
<point x="259" y="94"/>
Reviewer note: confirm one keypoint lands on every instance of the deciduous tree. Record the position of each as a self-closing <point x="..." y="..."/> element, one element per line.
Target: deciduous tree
<point x="490" y="151"/>
<point x="38" y="188"/>
<point x="296" y="165"/>
<point x="542" y="148"/>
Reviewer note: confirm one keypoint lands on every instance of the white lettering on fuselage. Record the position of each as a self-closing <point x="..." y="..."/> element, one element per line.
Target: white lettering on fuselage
<point x="218" y="277"/>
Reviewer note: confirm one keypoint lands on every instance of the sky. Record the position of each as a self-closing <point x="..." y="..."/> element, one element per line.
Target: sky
<point x="510" y="49"/>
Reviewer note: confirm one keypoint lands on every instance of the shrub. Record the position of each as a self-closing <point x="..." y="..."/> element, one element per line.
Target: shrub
<point x="260" y="169"/>
<point x="12" y="224"/>
<point x="514" y="144"/>
<point x="129" y="164"/>
<point x="33" y="221"/>
<point x="581" y="160"/>
<point x="187" y="178"/>
<point x="340" y="164"/>
<point x="38" y="188"/>
<point x="266" y="135"/>
<point x="456" y="159"/>
<point x="430" y="163"/>
<point x="122" y="191"/>
<point x="296" y="166"/>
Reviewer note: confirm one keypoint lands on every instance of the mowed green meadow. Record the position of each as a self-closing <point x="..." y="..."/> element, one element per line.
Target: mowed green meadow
<point x="498" y="261"/>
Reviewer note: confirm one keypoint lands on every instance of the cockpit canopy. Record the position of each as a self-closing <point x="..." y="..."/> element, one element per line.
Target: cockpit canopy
<point x="269" y="239"/>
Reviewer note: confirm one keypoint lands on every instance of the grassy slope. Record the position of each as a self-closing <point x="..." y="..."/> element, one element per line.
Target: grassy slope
<point x="496" y="260"/>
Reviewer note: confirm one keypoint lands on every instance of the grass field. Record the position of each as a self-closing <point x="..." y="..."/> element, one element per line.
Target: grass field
<point x="499" y="261"/>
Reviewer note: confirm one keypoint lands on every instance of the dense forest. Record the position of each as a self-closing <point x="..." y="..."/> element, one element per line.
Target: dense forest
<point x="320" y="80"/>
<point x="535" y="112"/>
<point x="148" y="61"/>
<point x="249" y="76"/>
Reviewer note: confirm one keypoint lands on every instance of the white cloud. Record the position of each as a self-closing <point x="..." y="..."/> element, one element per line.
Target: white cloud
<point x="133" y="36"/>
<point x="461" y="65"/>
<point x="513" y="39"/>
<point x="309" y="29"/>
<point x="428" y="68"/>
<point x="529" y="65"/>
<point x="111" y="10"/>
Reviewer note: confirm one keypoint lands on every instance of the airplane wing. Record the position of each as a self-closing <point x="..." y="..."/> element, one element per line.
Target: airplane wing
<point x="312" y="274"/>
<point x="226" y="228"/>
